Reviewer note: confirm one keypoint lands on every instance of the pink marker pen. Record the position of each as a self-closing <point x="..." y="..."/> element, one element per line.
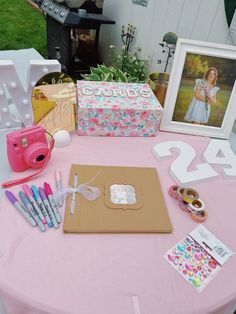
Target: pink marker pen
<point x="29" y="194"/>
<point x="59" y="186"/>
<point x="48" y="207"/>
<point x="49" y="194"/>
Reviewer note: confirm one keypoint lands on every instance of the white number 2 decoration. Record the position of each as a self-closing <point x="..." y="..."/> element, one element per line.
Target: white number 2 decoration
<point x="218" y="152"/>
<point x="179" y="167"/>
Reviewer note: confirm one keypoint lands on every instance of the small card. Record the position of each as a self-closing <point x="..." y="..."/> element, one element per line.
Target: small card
<point x="211" y="244"/>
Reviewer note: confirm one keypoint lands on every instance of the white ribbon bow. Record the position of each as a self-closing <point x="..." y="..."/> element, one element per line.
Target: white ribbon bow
<point x="91" y="193"/>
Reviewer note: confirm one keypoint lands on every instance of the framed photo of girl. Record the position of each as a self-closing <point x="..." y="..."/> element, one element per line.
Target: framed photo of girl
<point x="201" y="94"/>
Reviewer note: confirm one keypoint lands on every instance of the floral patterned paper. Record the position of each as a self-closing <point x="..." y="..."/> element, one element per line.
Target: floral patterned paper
<point x="103" y="112"/>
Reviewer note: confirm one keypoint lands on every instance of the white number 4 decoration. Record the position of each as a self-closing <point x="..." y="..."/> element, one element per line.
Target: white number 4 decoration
<point x="218" y="152"/>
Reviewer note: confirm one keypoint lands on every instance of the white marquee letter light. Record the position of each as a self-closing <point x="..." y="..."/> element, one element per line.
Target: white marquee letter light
<point x="20" y="94"/>
<point x="219" y="152"/>
<point x="178" y="168"/>
<point x="6" y="120"/>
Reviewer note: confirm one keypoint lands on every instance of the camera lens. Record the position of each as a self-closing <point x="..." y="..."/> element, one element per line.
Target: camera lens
<point x="40" y="158"/>
<point x="35" y="154"/>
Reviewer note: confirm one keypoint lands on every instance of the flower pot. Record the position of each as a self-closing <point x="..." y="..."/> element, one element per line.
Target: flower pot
<point x="158" y="83"/>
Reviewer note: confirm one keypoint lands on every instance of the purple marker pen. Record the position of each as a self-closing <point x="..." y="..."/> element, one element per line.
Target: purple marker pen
<point x="48" y="207"/>
<point x="21" y="209"/>
<point x="49" y="194"/>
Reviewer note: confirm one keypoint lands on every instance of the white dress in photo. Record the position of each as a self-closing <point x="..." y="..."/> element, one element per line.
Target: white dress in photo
<point x="199" y="111"/>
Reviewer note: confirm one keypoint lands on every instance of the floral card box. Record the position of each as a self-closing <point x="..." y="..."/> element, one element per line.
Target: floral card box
<point x="117" y="109"/>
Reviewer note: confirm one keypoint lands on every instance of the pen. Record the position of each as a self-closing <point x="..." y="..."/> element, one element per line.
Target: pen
<point x="41" y="205"/>
<point x="48" y="192"/>
<point x="59" y="187"/>
<point x="48" y="207"/>
<point x="32" y="211"/>
<point x="72" y="203"/>
<point x="29" y="194"/>
<point x="22" y="210"/>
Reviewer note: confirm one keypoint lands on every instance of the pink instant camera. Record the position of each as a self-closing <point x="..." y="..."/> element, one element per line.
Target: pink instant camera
<point x="27" y="148"/>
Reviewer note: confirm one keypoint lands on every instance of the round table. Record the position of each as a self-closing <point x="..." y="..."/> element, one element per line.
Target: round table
<point x="59" y="273"/>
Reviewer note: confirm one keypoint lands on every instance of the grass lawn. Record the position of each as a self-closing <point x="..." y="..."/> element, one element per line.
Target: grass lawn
<point x="185" y="96"/>
<point x="21" y="26"/>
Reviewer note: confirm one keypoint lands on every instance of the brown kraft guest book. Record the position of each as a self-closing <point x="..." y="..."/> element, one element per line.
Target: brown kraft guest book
<point x="138" y="208"/>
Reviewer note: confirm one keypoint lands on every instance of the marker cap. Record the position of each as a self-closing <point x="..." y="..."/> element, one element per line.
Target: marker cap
<point x="35" y="191"/>
<point x="47" y="189"/>
<point x="27" y="190"/>
<point x="11" y="197"/>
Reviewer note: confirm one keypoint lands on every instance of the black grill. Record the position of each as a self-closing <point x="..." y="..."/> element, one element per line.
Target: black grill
<point x="64" y="29"/>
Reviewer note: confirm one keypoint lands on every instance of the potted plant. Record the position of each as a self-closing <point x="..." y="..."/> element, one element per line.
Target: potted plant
<point x="158" y="81"/>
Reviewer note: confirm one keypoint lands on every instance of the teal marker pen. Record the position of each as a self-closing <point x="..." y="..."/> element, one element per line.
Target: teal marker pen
<point x="32" y="211"/>
<point x="41" y="205"/>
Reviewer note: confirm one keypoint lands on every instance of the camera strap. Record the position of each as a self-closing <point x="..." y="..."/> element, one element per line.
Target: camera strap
<point x="18" y="181"/>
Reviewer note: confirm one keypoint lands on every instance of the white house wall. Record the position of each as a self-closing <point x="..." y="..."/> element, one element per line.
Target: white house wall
<point x="195" y="19"/>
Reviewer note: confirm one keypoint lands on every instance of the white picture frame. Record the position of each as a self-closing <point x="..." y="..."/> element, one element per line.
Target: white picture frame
<point x="191" y="62"/>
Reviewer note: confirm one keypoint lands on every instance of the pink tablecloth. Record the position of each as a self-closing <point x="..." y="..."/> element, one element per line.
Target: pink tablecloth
<point x="59" y="273"/>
